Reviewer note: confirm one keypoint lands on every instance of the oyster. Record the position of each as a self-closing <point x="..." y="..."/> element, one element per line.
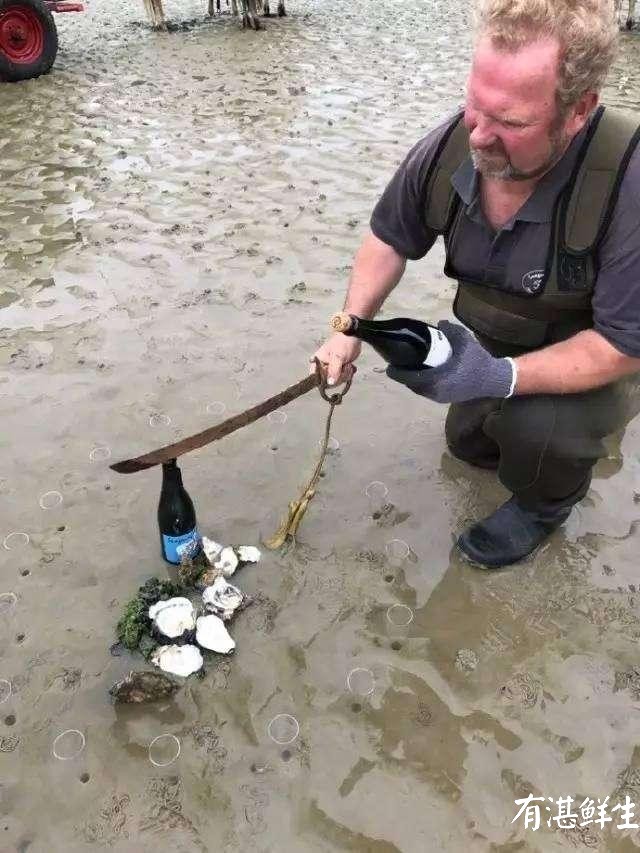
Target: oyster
<point x="143" y="686"/>
<point x="248" y="553"/>
<point x="178" y="660"/>
<point x="173" y="617"/>
<point x="211" y="549"/>
<point x="211" y="634"/>
<point x="227" y="562"/>
<point x="226" y="558"/>
<point x="222" y="598"/>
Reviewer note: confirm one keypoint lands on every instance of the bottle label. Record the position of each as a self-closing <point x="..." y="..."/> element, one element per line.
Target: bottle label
<point x="177" y="547"/>
<point x="440" y="349"/>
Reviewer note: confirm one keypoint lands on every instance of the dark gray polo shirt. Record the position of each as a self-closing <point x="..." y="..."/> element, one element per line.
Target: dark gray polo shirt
<point x="511" y="257"/>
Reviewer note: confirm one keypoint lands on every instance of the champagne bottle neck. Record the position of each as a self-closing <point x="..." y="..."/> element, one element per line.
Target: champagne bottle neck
<point x="171" y="474"/>
<point x="397" y="329"/>
<point x="401" y="341"/>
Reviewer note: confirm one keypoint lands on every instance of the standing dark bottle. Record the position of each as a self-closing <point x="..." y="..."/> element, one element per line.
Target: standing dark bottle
<point x="176" y="517"/>
<point x="402" y="342"/>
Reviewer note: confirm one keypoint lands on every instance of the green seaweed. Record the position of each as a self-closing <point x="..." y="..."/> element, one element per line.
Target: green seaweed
<point x="147" y="646"/>
<point x="132" y="623"/>
<point x="134" y="626"/>
<point x="158" y="590"/>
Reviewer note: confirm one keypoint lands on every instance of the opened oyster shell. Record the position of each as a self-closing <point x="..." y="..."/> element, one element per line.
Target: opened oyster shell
<point x="211" y="634"/>
<point x="226" y="558"/>
<point x="222" y="598"/>
<point x="178" y="660"/>
<point x="227" y="562"/>
<point x="211" y="549"/>
<point x="173" y="617"/>
<point x="248" y="553"/>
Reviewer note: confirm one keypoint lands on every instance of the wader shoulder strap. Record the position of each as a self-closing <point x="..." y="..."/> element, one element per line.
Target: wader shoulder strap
<point x="586" y="210"/>
<point x="440" y="197"/>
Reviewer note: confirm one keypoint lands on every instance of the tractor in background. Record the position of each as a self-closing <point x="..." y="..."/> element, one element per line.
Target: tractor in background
<point x="29" y="37"/>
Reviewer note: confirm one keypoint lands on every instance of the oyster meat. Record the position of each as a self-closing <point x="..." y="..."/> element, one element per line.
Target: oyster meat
<point x="227" y="562"/>
<point x="222" y="598"/>
<point x="173" y="617"/>
<point x="178" y="660"/>
<point x="144" y="686"/>
<point x="211" y="634"/>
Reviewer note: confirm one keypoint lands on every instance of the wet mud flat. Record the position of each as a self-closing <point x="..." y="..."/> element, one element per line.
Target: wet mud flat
<point x="179" y="213"/>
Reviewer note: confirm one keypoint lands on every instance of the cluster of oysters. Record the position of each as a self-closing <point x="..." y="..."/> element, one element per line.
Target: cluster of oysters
<point x="177" y="620"/>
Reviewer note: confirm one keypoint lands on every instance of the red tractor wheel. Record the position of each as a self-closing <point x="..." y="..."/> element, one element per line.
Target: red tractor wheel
<point x="28" y="39"/>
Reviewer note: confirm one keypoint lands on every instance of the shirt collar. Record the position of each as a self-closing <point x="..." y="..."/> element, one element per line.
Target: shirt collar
<point x="540" y="204"/>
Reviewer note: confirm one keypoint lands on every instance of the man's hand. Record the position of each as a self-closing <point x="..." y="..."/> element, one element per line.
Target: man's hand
<point x="338" y="354"/>
<point x="470" y="373"/>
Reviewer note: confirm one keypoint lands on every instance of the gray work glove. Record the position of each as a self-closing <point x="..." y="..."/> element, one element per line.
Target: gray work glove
<point x="469" y="373"/>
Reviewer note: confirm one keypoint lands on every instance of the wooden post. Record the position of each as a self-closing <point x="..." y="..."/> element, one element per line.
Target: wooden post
<point x="155" y="13"/>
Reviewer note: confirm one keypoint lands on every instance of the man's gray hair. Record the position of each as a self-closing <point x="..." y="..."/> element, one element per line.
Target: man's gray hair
<point x="587" y="31"/>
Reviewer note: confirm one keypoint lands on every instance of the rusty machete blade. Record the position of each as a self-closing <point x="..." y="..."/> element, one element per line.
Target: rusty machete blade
<point x="200" y="439"/>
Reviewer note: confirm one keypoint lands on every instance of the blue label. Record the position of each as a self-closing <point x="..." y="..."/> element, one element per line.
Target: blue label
<point x="175" y="547"/>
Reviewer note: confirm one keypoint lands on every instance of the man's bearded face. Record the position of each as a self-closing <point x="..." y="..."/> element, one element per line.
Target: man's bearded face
<point x="516" y="131"/>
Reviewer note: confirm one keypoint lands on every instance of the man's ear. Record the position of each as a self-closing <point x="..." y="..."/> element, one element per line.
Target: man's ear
<point x="580" y="112"/>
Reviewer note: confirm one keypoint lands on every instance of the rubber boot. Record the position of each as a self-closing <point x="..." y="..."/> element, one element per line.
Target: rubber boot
<point x="510" y="534"/>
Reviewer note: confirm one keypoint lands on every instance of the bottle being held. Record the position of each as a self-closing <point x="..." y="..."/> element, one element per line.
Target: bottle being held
<point x="402" y="342"/>
<point x="176" y="517"/>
